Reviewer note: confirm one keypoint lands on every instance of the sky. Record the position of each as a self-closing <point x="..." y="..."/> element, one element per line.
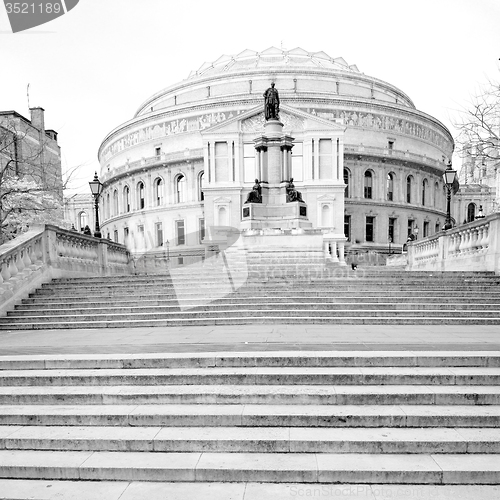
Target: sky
<point x="92" y="68"/>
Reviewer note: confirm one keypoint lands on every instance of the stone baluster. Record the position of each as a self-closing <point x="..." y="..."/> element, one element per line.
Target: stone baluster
<point x="27" y="255"/>
<point x="476" y="238"/>
<point x="20" y="259"/>
<point x="485" y="238"/>
<point x="341" y="245"/>
<point x="5" y="269"/>
<point x="12" y="267"/>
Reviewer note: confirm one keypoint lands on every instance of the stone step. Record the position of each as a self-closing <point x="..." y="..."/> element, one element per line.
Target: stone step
<point x="359" y="319"/>
<point x="338" y="284"/>
<point x="248" y="291"/>
<point x="255" y="375"/>
<point x="158" y="310"/>
<point x="227" y="289"/>
<point x="71" y="303"/>
<point x="252" y="394"/>
<point x="283" y="359"/>
<point x="259" y="467"/>
<point x="234" y="415"/>
<point x="220" y="439"/>
<point x="23" y="489"/>
<point x="225" y="315"/>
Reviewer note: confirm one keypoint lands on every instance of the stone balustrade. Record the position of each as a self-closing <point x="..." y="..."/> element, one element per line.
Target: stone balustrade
<point x="472" y="247"/>
<point x="48" y="252"/>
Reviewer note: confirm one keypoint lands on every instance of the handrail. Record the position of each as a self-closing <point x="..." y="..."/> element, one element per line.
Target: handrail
<point x="47" y="252"/>
<point x="474" y="246"/>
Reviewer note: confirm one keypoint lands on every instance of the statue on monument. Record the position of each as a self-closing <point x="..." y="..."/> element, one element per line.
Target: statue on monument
<point x="271" y="103"/>
<point x="291" y="193"/>
<point x="255" y="195"/>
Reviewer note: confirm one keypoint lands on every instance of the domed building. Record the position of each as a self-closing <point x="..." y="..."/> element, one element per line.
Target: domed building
<point x="367" y="163"/>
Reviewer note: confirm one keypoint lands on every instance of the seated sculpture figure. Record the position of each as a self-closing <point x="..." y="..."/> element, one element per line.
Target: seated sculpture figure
<point x="291" y="193"/>
<point x="255" y="195"/>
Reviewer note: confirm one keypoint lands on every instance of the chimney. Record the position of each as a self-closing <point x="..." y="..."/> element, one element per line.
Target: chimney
<point x="37" y="119"/>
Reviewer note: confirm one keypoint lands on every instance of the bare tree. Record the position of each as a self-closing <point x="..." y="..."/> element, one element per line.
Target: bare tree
<point x="479" y="124"/>
<point x="30" y="176"/>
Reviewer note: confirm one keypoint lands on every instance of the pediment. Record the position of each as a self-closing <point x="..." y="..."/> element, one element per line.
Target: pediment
<point x="326" y="197"/>
<point x="253" y="121"/>
<point x="222" y="199"/>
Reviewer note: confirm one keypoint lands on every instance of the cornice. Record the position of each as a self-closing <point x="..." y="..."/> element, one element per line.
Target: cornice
<point x="393" y="206"/>
<point x="313" y="100"/>
<point x="334" y="75"/>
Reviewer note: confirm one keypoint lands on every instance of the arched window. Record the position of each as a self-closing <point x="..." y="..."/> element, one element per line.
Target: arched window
<point x="108" y="206"/>
<point x="126" y="199"/>
<point x="390" y="186"/>
<point x="141" y="201"/>
<point x="409" y="181"/>
<point x="115" y="202"/>
<point x="368" y="184"/>
<point x="436" y="194"/>
<point x="201" y="195"/>
<point x="425" y="185"/>
<point x="222" y="216"/>
<point x="326" y="216"/>
<point x="83" y="220"/>
<point x="347" y="176"/>
<point x="471" y="212"/>
<point x="158" y="185"/>
<point x="180" y="188"/>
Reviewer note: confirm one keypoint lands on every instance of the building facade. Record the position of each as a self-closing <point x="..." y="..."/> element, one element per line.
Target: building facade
<point x="187" y="159"/>
<point x="31" y="186"/>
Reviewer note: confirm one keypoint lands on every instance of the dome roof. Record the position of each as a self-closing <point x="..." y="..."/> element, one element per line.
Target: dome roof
<point x="273" y="58"/>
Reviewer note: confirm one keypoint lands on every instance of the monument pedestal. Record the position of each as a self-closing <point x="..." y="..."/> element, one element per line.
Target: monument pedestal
<point x="274" y="155"/>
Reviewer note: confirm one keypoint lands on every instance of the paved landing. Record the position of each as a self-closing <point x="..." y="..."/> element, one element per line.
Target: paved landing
<point x="251" y="338"/>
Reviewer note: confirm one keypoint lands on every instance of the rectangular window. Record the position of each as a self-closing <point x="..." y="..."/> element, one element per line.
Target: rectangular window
<point x="347" y="227"/>
<point x="221" y="163"/>
<point x="115" y="236"/>
<point x="426" y="229"/>
<point x="312" y="157"/>
<point x="367" y="193"/>
<point x="201" y="225"/>
<point x="392" y="230"/>
<point x="159" y="234"/>
<point x="179" y="231"/>
<point x="249" y="163"/>
<point x="125" y="234"/>
<point x="325" y="159"/>
<point x="390" y="145"/>
<point x="297" y="162"/>
<point x="369" y="229"/>
<point x="411" y="222"/>
<point x="157" y="151"/>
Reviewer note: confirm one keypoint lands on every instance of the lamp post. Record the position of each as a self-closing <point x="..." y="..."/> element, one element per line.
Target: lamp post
<point x="448" y="178"/>
<point x="96" y="188"/>
<point x="390" y="241"/>
<point x="416" y="231"/>
<point x="480" y="214"/>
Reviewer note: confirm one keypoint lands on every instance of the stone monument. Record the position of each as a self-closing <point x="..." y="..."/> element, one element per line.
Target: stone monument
<point x="274" y="203"/>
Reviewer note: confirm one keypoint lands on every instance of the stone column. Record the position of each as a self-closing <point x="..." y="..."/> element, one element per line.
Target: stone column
<point x="211" y="161"/>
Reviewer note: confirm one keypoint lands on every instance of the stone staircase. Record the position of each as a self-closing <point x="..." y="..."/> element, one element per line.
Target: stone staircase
<point x="262" y="293"/>
<point x="248" y="426"/>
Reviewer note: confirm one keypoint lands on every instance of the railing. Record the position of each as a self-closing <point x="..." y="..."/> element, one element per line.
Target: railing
<point x="472" y="247"/>
<point x="48" y="252"/>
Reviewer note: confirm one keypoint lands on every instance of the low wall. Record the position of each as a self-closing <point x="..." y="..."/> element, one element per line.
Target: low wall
<point x="48" y="252"/>
<point x="471" y="247"/>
